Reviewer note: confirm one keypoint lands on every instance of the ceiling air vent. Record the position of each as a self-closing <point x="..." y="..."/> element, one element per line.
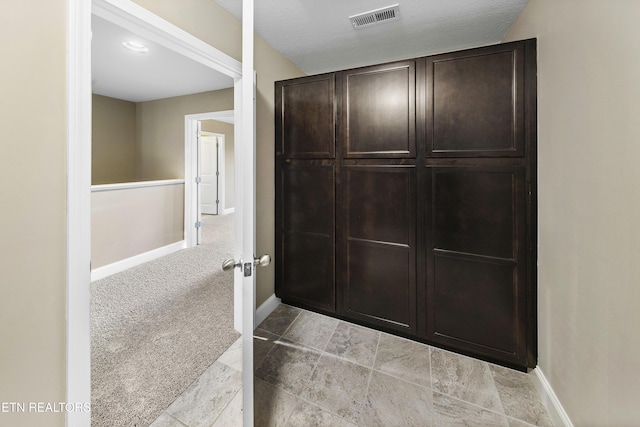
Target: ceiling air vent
<point x="377" y="16"/>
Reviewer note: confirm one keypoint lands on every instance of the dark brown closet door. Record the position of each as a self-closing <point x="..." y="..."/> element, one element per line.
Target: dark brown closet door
<point x="305" y="269"/>
<point x="476" y="102"/>
<point x="378" y="118"/>
<point x="378" y="221"/>
<point x="305" y="117"/>
<point x="476" y="269"/>
<point x="305" y="191"/>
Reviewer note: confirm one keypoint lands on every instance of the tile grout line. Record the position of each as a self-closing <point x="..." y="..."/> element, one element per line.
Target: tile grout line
<point x="375" y="357"/>
<point x="475" y="405"/>
<point x="226" y="406"/>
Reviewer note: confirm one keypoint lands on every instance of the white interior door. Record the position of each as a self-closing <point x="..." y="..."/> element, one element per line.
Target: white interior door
<point x="247" y="153"/>
<point x="209" y="174"/>
<point x="244" y="262"/>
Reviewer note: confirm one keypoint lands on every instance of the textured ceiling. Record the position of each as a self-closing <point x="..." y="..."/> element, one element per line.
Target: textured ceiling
<point x="318" y="36"/>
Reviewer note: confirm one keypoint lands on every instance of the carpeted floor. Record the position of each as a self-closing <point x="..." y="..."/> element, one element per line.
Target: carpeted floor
<point x="156" y="327"/>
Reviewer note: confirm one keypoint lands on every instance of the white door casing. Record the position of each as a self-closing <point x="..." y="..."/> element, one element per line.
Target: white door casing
<point x="246" y="153"/>
<point x="191" y="171"/>
<point x="135" y="18"/>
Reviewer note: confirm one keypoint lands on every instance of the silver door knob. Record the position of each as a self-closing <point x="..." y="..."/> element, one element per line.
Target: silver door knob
<point x="262" y="261"/>
<point x="230" y="264"/>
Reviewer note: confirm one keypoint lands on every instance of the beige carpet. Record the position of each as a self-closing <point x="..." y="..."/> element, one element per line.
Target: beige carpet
<point x="156" y="327"/>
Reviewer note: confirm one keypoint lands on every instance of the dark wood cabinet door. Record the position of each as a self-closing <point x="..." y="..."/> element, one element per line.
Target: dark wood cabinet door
<point x="476" y="102"/>
<point x="378" y="111"/>
<point x="476" y="267"/>
<point x="305" y="226"/>
<point x="378" y="241"/>
<point x="406" y="198"/>
<point x="306" y="117"/>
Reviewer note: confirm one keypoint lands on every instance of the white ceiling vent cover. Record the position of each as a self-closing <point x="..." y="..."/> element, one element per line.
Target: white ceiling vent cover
<point x="377" y="16"/>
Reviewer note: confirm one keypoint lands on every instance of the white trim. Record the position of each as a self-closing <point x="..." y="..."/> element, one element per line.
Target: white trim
<point x="78" y="263"/>
<point x="122" y="265"/>
<point x="246" y="220"/>
<point x="229" y="211"/>
<point x="139" y="20"/>
<point x="237" y="231"/>
<point x="551" y="402"/>
<point x="135" y="18"/>
<point x="191" y="168"/>
<point x="265" y="309"/>
<point x="138" y="184"/>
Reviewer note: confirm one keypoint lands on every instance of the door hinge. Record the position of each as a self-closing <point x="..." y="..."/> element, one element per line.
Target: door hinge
<point x="198" y="179"/>
<point x="198" y="224"/>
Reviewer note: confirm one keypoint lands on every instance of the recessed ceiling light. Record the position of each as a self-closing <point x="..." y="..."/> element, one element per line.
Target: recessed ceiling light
<point x="135" y="46"/>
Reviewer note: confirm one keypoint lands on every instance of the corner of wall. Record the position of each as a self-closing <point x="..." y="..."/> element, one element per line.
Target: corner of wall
<point x="551" y="402"/>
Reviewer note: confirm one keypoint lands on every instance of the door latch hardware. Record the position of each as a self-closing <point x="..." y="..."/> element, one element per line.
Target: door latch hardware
<point x="230" y="264"/>
<point x="262" y="261"/>
<point x="247" y="269"/>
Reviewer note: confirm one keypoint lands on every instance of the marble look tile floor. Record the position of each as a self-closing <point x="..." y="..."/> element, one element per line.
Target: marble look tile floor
<point x="313" y="370"/>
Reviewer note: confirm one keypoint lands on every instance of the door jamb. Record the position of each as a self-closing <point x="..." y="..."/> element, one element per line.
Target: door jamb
<point x="191" y="169"/>
<point x="78" y="226"/>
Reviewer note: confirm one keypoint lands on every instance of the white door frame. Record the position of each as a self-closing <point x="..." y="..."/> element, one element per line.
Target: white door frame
<point x="78" y="265"/>
<point x="191" y="208"/>
<point x="191" y="161"/>
<point x="245" y="133"/>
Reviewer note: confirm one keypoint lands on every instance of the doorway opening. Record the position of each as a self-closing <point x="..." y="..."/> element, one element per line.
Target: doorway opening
<point x="127" y="14"/>
<point x="211" y="183"/>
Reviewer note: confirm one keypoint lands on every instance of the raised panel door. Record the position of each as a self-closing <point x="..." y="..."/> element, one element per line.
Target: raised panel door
<point x="305" y="227"/>
<point x="476" y="269"/>
<point x="378" y="221"/>
<point x="378" y="111"/>
<point x="306" y="117"/>
<point x="476" y="102"/>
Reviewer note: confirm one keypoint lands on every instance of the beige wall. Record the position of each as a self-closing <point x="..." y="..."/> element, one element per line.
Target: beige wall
<point x="160" y="131"/>
<point x="113" y="140"/>
<point x="207" y="20"/>
<point x="589" y="204"/>
<point x="227" y="130"/>
<point x="132" y="221"/>
<point x="33" y="212"/>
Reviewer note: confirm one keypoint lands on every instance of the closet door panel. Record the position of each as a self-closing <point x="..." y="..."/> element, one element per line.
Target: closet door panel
<point x="380" y="283"/>
<point x="379" y="274"/>
<point x="476" y="103"/>
<point x="308" y="273"/>
<point x="305" y="123"/>
<point x="305" y="222"/>
<point x="379" y="111"/>
<point x="474" y="212"/>
<point x="476" y="281"/>
<point x="476" y="302"/>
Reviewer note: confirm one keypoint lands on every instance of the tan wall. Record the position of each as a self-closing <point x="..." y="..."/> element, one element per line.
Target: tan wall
<point x="32" y="300"/>
<point x="589" y="204"/>
<point x="160" y="131"/>
<point x="33" y="212"/>
<point x="227" y="130"/>
<point x="207" y="20"/>
<point x="113" y="140"/>
<point x="131" y="221"/>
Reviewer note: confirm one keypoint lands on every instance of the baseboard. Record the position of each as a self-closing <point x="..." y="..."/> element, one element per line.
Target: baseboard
<point x="550" y="400"/>
<point x="118" y="266"/>
<point x="265" y="309"/>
